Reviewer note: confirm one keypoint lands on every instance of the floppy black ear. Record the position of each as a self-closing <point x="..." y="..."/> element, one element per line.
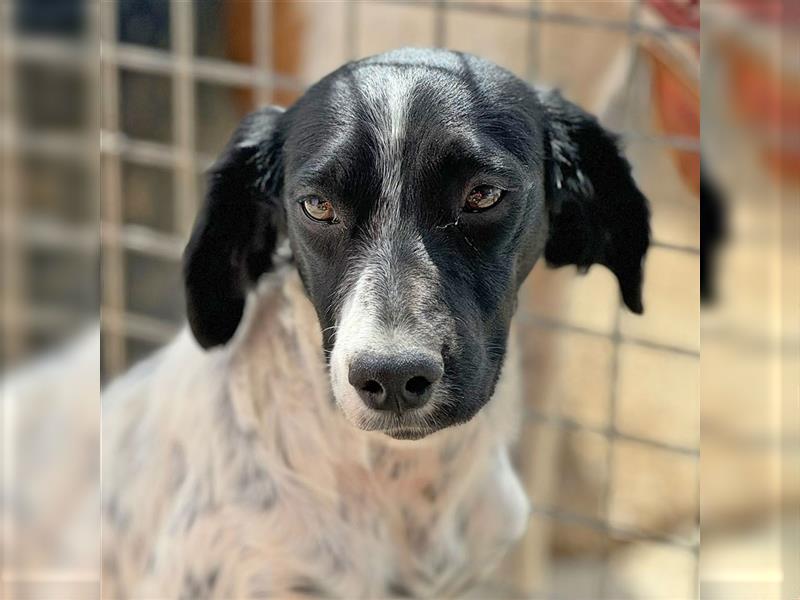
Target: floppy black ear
<point x="596" y="212"/>
<point x="237" y="229"/>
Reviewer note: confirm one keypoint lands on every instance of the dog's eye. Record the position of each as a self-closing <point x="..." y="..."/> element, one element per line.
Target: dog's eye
<point x="318" y="209"/>
<point x="482" y="197"/>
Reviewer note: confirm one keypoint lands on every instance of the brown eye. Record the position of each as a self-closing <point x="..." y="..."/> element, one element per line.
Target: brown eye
<point x="318" y="209"/>
<point x="482" y="197"/>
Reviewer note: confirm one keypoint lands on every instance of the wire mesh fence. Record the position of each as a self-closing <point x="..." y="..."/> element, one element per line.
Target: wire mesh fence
<point x="173" y="79"/>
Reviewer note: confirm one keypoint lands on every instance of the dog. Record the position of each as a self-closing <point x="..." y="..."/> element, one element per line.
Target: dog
<point x="336" y="419"/>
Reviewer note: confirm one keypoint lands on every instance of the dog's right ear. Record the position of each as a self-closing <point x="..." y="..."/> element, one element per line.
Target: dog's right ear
<point x="237" y="228"/>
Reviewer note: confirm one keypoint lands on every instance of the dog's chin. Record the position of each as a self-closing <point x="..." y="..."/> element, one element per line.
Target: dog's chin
<point x="409" y="427"/>
<point x="396" y="430"/>
<point x="408" y="433"/>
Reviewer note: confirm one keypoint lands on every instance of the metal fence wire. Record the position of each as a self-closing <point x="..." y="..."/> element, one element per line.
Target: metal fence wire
<point x="166" y="64"/>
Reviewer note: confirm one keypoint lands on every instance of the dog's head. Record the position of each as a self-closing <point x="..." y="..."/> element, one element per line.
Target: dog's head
<point x="417" y="189"/>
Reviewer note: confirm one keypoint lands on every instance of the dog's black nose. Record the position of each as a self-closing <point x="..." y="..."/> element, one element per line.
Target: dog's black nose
<point x="396" y="382"/>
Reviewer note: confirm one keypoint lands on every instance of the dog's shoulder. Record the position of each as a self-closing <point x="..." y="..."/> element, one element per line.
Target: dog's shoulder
<point x="181" y="458"/>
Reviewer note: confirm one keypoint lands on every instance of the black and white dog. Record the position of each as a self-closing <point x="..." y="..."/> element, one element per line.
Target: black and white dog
<point x="412" y="192"/>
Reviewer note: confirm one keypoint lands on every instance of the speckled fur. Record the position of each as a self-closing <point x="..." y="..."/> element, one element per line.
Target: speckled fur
<point x="232" y="474"/>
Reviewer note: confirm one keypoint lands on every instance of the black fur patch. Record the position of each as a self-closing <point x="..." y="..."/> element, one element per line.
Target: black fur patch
<point x="309" y="588"/>
<point x="237" y="230"/>
<point x="597" y="214"/>
<point x="713" y="232"/>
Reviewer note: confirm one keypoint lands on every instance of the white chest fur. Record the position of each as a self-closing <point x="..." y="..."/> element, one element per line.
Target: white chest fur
<point x="264" y="490"/>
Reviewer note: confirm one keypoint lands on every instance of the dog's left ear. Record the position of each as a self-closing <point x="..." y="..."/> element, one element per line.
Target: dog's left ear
<point x="596" y="212"/>
<point x="237" y="228"/>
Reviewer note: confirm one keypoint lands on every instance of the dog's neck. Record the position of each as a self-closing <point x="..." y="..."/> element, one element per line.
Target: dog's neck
<point x="280" y="387"/>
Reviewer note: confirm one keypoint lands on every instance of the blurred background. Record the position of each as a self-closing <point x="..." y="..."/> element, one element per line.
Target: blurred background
<point x="611" y="448"/>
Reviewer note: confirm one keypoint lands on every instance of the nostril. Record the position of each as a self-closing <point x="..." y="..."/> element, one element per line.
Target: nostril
<point x="372" y="387"/>
<point x="417" y="385"/>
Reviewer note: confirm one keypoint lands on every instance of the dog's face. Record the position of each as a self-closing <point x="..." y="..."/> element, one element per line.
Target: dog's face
<point x="417" y="190"/>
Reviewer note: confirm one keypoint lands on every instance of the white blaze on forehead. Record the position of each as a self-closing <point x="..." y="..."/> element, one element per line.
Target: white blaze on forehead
<point x="388" y="99"/>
